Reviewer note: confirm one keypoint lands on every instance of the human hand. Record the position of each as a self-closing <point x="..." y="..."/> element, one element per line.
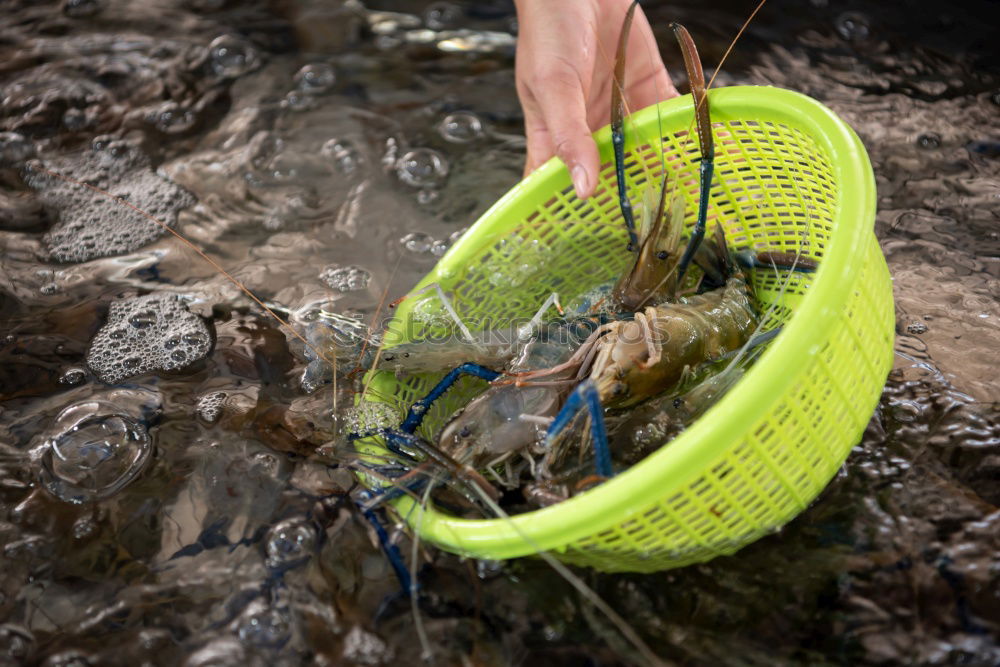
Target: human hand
<point x="565" y="73"/>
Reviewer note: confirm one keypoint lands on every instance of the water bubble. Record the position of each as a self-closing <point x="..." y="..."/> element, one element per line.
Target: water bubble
<point x="172" y="118"/>
<point x="84" y="527"/>
<point x="16" y="643"/>
<point x="209" y="406"/>
<point x="283" y="168"/>
<point x="422" y="167"/>
<point x="142" y="334"/>
<point x="68" y="658"/>
<point x="387" y="42"/>
<point x="427" y="196"/>
<point x="346" y="278"/>
<point x="916" y="328"/>
<point x="315" y="78"/>
<point x="48" y="289"/>
<point x="417" y="242"/>
<point x="343" y="153"/>
<point x="298" y="100"/>
<point x="231" y="57"/>
<point x="442" y="15"/>
<point x="15" y="149"/>
<point x="929" y="141"/>
<point x="193" y="339"/>
<point x="266" y="461"/>
<point x="264" y="149"/>
<point x="75" y="119"/>
<point x="461" y="127"/>
<point x="488" y="569"/>
<point x="290" y="541"/>
<point x="370" y="415"/>
<point x="143" y="319"/>
<point x="515" y="261"/>
<point x="78" y="9"/>
<point x="439" y="248"/>
<point x="269" y="628"/>
<point x="111" y="147"/>
<point x="365" y="648"/>
<point x="73" y="376"/>
<point x="94" y="453"/>
<point x="853" y="26"/>
<point x="430" y="313"/>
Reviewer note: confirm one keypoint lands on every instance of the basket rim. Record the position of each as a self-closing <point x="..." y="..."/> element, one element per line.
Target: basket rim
<point x="667" y="469"/>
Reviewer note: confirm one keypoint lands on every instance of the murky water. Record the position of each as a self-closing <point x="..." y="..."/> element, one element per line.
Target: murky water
<point x="326" y="156"/>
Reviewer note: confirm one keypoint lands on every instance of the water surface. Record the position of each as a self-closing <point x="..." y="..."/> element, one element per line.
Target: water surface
<point x="168" y="499"/>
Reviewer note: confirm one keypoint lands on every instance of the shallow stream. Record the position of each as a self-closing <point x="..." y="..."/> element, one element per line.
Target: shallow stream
<point x="165" y="493"/>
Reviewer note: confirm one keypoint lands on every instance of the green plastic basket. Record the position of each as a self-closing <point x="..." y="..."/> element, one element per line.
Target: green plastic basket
<point x="790" y="176"/>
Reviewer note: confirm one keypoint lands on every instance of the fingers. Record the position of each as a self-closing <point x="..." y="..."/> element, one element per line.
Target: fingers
<point x="562" y="126"/>
<point x="555" y="120"/>
<point x="563" y="96"/>
<point x="555" y="57"/>
<point x="539" y="141"/>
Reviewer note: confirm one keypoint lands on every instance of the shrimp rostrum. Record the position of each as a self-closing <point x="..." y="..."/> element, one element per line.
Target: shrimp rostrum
<point x="662" y="332"/>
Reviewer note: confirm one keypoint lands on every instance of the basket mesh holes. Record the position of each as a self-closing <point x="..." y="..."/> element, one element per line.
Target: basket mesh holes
<point x="772" y="187"/>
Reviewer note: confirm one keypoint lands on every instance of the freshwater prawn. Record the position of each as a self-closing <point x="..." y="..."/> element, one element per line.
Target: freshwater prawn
<point x="654" y="340"/>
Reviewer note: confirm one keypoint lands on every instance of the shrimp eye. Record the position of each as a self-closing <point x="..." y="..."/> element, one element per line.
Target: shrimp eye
<point x="678" y="402"/>
<point x="663" y="254"/>
<point x="465" y="432"/>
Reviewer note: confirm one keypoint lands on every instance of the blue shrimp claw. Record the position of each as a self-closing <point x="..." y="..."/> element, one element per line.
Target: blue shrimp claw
<point x="618" y="128"/>
<point x="585" y="394"/>
<point x="391" y="550"/>
<point x="706" y="143"/>
<point x="419" y="409"/>
<point x="398" y="440"/>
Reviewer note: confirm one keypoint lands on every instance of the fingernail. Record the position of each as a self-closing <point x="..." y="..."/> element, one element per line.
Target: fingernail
<point x="580" y="181"/>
